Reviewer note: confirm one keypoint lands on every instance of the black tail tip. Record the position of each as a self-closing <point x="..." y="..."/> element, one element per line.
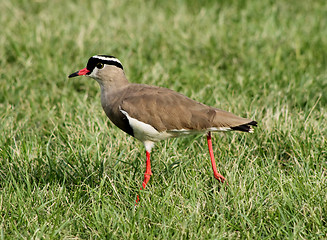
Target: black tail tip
<point x="246" y="127"/>
<point x="253" y="123"/>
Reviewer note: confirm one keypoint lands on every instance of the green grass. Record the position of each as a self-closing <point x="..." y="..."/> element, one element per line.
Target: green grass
<point x="67" y="173"/>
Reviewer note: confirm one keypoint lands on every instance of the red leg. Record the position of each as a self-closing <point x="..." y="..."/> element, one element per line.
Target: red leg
<point x="147" y="174"/>
<point x="212" y="158"/>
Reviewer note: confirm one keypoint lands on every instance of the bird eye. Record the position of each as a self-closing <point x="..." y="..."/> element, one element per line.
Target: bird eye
<point x="99" y="65"/>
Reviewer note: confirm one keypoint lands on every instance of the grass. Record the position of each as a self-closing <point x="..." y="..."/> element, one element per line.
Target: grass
<point x="67" y="173"/>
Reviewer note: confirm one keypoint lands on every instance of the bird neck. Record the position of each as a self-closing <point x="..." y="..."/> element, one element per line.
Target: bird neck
<point x="113" y="81"/>
<point x="112" y="87"/>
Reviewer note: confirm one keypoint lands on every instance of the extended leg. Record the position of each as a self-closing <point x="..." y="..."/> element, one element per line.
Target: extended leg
<point x="148" y="173"/>
<point x="212" y="158"/>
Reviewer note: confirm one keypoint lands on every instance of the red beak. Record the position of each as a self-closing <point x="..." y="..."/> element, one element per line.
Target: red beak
<point x="83" y="71"/>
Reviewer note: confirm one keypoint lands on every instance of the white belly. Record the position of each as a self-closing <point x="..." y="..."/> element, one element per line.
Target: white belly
<point x="145" y="132"/>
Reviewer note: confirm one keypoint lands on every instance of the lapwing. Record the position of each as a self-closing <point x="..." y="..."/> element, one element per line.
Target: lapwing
<point x="151" y="113"/>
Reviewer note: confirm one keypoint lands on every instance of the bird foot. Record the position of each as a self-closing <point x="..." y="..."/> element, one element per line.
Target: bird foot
<point x="220" y="178"/>
<point x="137" y="200"/>
<point x="145" y="181"/>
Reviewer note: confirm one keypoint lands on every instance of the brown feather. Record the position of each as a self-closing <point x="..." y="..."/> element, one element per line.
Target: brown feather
<point x="165" y="109"/>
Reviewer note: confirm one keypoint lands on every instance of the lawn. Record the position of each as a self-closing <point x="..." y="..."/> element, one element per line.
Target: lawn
<point x="66" y="172"/>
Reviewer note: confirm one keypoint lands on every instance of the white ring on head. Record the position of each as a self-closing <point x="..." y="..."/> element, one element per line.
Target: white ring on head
<point x="107" y="58"/>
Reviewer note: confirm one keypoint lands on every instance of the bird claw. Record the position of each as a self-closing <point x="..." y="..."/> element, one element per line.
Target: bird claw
<point x="220" y="178"/>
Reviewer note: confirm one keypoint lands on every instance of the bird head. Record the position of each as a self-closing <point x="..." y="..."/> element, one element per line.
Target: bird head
<point x="99" y="67"/>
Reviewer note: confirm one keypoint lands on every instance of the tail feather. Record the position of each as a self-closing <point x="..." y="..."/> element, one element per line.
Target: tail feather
<point x="245" y="127"/>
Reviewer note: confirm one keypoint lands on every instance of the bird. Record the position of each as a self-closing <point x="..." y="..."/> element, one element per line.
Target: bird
<point x="151" y="113"/>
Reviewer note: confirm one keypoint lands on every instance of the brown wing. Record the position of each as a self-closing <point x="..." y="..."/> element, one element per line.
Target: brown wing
<point x="165" y="109"/>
